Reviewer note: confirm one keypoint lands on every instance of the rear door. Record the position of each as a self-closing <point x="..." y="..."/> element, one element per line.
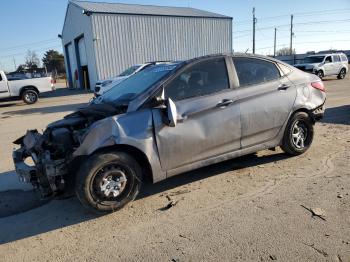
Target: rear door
<point x="208" y="117"/>
<point x="328" y="66"/>
<point x="266" y="97"/>
<point x="336" y="64"/>
<point x="3" y="86"/>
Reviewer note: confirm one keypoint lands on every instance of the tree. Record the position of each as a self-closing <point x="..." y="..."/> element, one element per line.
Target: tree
<point x="285" y="51"/>
<point x="54" y="61"/>
<point x="32" y="61"/>
<point x="21" y="68"/>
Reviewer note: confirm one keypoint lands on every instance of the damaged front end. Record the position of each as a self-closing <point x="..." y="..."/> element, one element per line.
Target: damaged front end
<point x="46" y="160"/>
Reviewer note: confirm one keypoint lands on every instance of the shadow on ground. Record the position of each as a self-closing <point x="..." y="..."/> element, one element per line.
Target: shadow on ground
<point x="337" y="115"/>
<point x="46" y="110"/>
<point x="16" y="223"/>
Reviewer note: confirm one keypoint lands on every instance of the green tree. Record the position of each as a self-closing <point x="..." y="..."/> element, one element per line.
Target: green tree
<point x="54" y="61"/>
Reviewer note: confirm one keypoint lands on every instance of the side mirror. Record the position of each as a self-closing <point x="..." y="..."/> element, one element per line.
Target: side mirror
<point x="171" y="112"/>
<point x="159" y="101"/>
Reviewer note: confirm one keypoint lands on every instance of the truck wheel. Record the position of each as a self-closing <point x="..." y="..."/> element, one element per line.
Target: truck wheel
<point x="341" y="74"/>
<point x="30" y="96"/>
<point x="320" y="74"/>
<point x="298" y="135"/>
<point x="108" y="181"/>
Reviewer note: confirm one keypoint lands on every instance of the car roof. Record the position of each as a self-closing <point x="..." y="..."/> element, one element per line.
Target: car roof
<point x="325" y="54"/>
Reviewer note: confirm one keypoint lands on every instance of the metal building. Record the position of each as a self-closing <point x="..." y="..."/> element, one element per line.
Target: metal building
<point x="101" y="40"/>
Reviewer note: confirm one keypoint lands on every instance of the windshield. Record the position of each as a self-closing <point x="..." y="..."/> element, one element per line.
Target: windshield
<point x="130" y="70"/>
<point x="136" y="84"/>
<point x="313" y="59"/>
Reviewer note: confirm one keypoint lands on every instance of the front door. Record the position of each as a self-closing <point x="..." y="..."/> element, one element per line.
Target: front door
<point x="208" y="117"/>
<point x="266" y="98"/>
<point x="328" y="66"/>
<point x="3" y="87"/>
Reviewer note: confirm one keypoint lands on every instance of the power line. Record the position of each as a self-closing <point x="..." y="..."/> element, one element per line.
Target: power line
<point x="30" y="44"/>
<point x="23" y="53"/>
<point x="296" y="14"/>
<point x="300" y="23"/>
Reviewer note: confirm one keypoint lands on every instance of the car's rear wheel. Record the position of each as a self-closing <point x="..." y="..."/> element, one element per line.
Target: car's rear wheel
<point x="30" y="96"/>
<point x="342" y="74"/>
<point x="298" y="135"/>
<point x="320" y="74"/>
<point x="108" y="181"/>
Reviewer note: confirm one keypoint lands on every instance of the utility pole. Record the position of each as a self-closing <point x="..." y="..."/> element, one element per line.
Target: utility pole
<point x="254" y="22"/>
<point x="14" y="62"/>
<point x="274" y="43"/>
<point x="291" y="34"/>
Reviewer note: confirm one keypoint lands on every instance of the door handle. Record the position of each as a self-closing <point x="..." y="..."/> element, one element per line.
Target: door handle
<point x="283" y="87"/>
<point x="224" y="103"/>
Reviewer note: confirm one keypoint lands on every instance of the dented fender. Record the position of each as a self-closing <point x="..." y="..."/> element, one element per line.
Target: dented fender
<point x="133" y="129"/>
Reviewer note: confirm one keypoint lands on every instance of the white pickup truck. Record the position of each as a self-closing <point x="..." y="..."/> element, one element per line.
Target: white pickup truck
<point x="26" y="89"/>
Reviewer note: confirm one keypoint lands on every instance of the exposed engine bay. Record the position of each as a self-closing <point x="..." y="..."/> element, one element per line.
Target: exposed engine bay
<point x="52" y="151"/>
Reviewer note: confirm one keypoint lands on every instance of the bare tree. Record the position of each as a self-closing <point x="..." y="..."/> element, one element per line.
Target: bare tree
<point x="32" y="60"/>
<point x="284" y="51"/>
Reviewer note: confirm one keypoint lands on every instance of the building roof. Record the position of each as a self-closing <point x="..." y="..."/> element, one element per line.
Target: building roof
<point x="117" y="8"/>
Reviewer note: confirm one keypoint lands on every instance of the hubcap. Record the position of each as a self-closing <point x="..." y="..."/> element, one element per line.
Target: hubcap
<point x="342" y="73"/>
<point x="110" y="182"/>
<point x="299" y="135"/>
<point x="30" y="96"/>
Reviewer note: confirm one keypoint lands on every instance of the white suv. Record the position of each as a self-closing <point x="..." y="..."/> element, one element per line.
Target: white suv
<point x="325" y="65"/>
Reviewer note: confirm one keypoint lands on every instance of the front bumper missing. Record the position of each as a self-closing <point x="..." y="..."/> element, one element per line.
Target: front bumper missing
<point x="25" y="172"/>
<point x="318" y="112"/>
<point x="46" y="174"/>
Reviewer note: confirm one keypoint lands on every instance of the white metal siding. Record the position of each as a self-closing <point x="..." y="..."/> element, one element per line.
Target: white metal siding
<point x="124" y="40"/>
<point x="82" y="52"/>
<point x="76" y="25"/>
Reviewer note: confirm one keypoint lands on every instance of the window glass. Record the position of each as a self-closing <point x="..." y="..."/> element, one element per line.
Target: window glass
<point x="285" y="69"/>
<point x="313" y="59"/>
<point x="131" y="87"/>
<point x="336" y="58"/>
<point x="0" y="77"/>
<point x="200" y="79"/>
<point x="328" y="59"/>
<point x="129" y="71"/>
<point x="344" y="58"/>
<point x="252" y="71"/>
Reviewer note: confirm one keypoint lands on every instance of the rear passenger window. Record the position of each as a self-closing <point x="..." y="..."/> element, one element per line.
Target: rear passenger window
<point x="285" y="69"/>
<point x="253" y="71"/>
<point x="336" y="58"/>
<point x="0" y="77"/>
<point x="344" y="58"/>
<point x="203" y="78"/>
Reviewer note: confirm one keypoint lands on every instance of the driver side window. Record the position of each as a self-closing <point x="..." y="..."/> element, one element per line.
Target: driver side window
<point x="201" y="79"/>
<point x="328" y="59"/>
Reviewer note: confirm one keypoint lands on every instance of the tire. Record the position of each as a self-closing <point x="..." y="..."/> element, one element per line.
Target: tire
<point x="299" y="125"/>
<point x="97" y="185"/>
<point x="320" y="74"/>
<point x="30" y="96"/>
<point x="342" y="74"/>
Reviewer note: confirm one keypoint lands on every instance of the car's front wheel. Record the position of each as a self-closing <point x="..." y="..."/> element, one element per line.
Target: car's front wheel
<point x="342" y="74"/>
<point x="107" y="181"/>
<point x="298" y="134"/>
<point x="320" y="74"/>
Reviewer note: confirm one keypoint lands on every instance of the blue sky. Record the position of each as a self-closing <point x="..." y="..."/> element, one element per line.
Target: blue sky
<point x="35" y="24"/>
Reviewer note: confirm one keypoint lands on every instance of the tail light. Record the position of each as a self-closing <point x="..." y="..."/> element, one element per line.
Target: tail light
<point x="53" y="81"/>
<point x="318" y="85"/>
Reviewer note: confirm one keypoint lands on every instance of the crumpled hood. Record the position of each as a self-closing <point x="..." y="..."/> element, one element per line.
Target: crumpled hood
<point x="90" y="114"/>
